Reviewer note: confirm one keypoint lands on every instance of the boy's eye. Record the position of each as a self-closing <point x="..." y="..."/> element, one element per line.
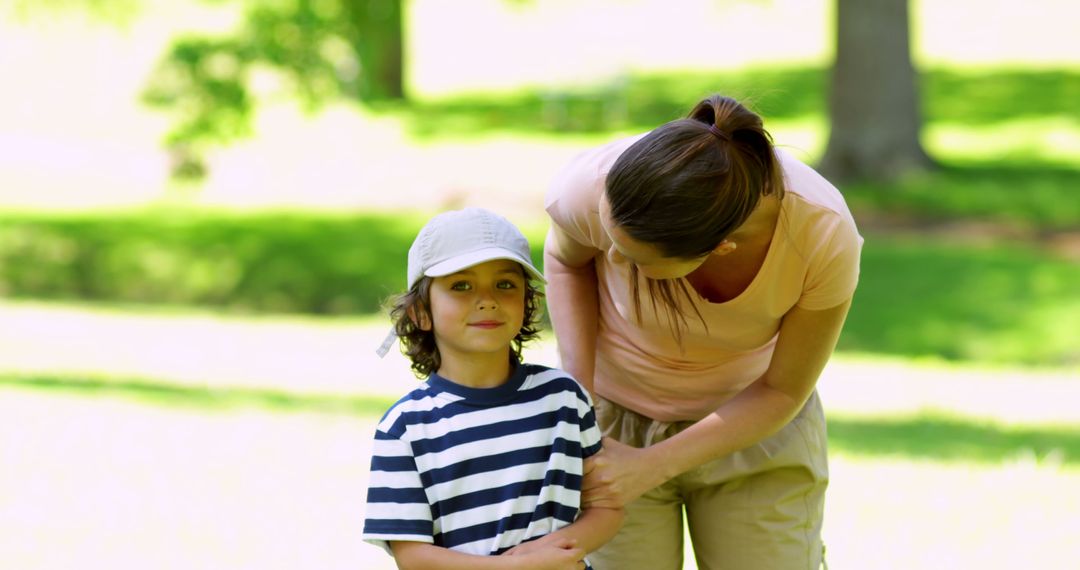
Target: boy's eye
<point x="460" y="286"/>
<point x="506" y="284"/>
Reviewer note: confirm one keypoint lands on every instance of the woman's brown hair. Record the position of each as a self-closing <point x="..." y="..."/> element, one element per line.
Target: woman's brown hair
<point x="410" y="308"/>
<point x="685" y="186"/>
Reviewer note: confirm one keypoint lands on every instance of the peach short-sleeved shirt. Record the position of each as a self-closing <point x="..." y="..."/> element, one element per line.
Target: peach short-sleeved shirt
<point x="812" y="262"/>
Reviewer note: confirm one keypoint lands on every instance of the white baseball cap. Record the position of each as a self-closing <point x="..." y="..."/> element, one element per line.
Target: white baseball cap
<point x="458" y="239"/>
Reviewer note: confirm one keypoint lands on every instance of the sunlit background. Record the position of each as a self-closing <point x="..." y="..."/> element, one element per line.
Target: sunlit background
<point x="188" y="318"/>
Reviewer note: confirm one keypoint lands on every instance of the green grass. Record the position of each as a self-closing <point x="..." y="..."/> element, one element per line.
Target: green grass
<point x="163" y="394"/>
<point x="779" y="93"/>
<point x="930" y="436"/>
<point x="1000" y="304"/>
<point x="1028" y="197"/>
<point x="943" y="438"/>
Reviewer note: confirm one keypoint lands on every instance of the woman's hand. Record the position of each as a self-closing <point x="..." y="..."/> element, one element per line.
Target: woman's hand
<point x="540" y="554"/>
<point x="617" y="475"/>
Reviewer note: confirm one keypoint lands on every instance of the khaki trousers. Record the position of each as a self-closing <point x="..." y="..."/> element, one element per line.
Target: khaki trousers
<point x="757" y="509"/>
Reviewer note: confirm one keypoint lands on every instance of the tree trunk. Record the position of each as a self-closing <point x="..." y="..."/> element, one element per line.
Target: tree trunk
<point x="873" y="102"/>
<point x="379" y="41"/>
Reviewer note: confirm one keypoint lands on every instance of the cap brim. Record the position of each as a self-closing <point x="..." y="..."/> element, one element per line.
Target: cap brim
<point x="465" y="260"/>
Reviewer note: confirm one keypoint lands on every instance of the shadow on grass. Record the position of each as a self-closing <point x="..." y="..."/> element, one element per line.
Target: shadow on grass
<point x="1025" y="195"/>
<point x="926" y="437"/>
<point x="943" y="439"/>
<point x="223" y="399"/>
<point x="644" y="101"/>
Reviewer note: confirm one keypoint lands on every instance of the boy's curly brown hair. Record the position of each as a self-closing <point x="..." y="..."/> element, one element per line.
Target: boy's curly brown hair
<point x="419" y="344"/>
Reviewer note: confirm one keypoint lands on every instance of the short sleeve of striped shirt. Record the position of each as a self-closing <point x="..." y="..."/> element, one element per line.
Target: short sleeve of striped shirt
<point x="397" y="506"/>
<point x="590" y="431"/>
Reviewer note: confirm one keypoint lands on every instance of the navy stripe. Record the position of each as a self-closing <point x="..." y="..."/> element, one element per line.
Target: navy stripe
<point x="496" y="495"/>
<point x="413" y="396"/>
<point x="392" y="495"/>
<point x="483" y="530"/>
<point x="398" y="526"/>
<point x="457" y="407"/>
<point x="490" y="496"/>
<point x="383" y="436"/>
<point x="562" y="479"/>
<point x="488" y="463"/>
<point x="410" y="417"/>
<point x="392" y="463"/>
<point x="589" y="421"/>
<point x="541" y="421"/>
<point x="517" y="521"/>
<point x="555" y="510"/>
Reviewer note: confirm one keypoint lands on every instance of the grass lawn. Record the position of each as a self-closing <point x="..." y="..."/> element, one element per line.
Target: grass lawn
<point x="119" y="481"/>
<point x="991" y="301"/>
<point x="243" y="442"/>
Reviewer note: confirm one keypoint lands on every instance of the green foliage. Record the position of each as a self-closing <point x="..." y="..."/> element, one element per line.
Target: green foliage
<point x="312" y="50"/>
<point x="269" y="263"/>
<point x="646" y="100"/>
<point x="779" y="94"/>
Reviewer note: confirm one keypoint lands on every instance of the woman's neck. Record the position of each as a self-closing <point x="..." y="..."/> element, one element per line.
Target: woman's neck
<point x="761" y="224"/>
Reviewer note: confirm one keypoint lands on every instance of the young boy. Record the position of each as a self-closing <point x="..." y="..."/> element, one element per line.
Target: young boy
<point x="480" y="466"/>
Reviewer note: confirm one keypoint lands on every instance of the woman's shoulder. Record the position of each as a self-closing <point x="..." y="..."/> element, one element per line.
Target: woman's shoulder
<point x="812" y="204"/>
<point x="811" y="187"/>
<point x="583" y="175"/>
<point x="573" y="197"/>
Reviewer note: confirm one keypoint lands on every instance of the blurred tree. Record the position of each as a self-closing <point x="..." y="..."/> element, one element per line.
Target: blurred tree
<point x="874" y="108"/>
<point x="315" y="50"/>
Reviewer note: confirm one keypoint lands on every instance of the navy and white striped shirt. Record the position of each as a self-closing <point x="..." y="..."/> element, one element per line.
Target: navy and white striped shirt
<point x="481" y="470"/>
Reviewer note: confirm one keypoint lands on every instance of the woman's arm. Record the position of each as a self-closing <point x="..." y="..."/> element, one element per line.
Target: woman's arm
<point x="572" y="302"/>
<point x="559" y="555"/>
<point x="620" y="473"/>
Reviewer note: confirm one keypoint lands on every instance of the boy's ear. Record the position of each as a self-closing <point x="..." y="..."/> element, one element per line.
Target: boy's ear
<point x="419" y="318"/>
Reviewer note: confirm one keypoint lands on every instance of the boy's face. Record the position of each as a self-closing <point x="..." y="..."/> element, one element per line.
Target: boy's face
<point x="479" y="309"/>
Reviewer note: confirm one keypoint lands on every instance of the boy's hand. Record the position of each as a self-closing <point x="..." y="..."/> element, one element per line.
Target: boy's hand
<point x="561" y="554"/>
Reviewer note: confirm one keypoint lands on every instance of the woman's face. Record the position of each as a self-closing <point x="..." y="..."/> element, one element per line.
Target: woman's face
<point x="648" y="259"/>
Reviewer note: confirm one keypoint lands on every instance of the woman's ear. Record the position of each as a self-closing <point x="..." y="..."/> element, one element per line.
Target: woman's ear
<point x="727" y="246"/>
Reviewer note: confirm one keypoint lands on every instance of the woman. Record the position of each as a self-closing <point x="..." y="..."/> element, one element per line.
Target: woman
<point x="698" y="279"/>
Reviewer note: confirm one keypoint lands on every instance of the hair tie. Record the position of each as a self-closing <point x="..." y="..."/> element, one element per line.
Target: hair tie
<point x="715" y="130"/>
